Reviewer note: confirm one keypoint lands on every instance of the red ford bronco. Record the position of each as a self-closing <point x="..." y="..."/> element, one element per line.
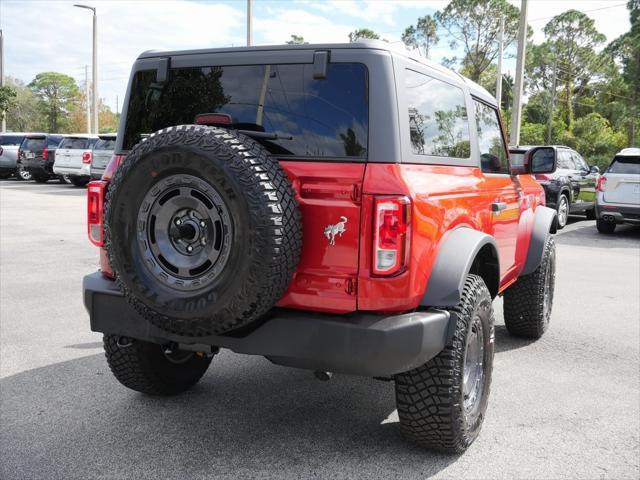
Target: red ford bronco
<point x="338" y="208"/>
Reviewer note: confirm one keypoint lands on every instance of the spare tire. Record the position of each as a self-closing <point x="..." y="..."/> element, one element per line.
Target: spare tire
<point x="202" y="230"/>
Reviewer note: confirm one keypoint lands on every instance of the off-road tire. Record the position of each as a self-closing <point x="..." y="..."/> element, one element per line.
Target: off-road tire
<point x="267" y="236"/>
<point x="40" y="178"/>
<point x="525" y="314"/>
<point x="605" y="227"/>
<point x="144" y="367"/>
<point x="430" y="398"/>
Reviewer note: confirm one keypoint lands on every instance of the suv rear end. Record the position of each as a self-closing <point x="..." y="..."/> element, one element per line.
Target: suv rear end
<point x="618" y="198"/>
<point x="101" y="154"/>
<point x="73" y="158"/>
<point x="37" y="155"/>
<point x="9" y="145"/>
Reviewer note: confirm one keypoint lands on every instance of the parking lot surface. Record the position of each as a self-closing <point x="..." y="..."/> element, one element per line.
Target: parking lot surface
<point x="566" y="406"/>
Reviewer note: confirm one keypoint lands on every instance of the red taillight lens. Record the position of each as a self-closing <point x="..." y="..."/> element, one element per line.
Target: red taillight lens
<point x="602" y="183"/>
<point x="543" y="176"/>
<point x="95" y="212"/>
<point x="392" y="235"/>
<point x="45" y="153"/>
<point x="111" y="167"/>
<point x="86" y="157"/>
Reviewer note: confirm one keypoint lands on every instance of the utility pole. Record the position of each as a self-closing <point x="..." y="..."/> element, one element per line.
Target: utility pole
<point x="249" y="33"/>
<point x="3" y="113"/>
<point x="517" y="94"/>
<point x="94" y="73"/>
<point x="553" y="101"/>
<point x="117" y="106"/>
<point x="86" y="93"/>
<point x="499" y="74"/>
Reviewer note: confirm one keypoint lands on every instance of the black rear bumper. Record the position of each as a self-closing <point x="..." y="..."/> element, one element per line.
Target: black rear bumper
<point x="358" y="343"/>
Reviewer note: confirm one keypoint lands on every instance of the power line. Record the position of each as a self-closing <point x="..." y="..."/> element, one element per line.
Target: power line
<point x="583" y="11"/>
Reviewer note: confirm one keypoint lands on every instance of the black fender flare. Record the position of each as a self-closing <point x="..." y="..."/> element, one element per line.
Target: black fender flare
<point x="543" y="226"/>
<point x="458" y="250"/>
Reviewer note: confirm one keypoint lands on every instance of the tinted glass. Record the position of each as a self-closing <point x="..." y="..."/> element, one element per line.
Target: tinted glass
<point x="11" y="140"/>
<point x="626" y="164"/>
<point x="326" y="118"/>
<point x="579" y="162"/>
<point x="438" y="123"/>
<point x="76" y="143"/>
<point x="493" y="154"/>
<point x="565" y="161"/>
<point x="105" y="144"/>
<point x="33" y="144"/>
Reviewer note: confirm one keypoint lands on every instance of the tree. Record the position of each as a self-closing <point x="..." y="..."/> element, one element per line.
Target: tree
<point x="296" y="40"/>
<point x="7" y="99"/>
<point x="363" y="33"/>
<point x="56" y="94"/>
<point x="22" y="115"/>
<point x="595" y="139"/>
<point x="475" y="25"/>
<point x="424" y="35"/>
<point x="572" y="38"/>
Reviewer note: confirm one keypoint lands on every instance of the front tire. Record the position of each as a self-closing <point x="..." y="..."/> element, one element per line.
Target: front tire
<point x="528" y="302"/>
<point x="442" y="404"/>
<point x="145" y="367"/>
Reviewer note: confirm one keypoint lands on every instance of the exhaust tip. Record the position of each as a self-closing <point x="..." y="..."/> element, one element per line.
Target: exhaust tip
<point x="323" y="376"/>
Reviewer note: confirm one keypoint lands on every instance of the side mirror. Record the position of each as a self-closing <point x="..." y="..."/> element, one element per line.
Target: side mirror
<point x="541" y="160"/>
<point x="594" y="170"/>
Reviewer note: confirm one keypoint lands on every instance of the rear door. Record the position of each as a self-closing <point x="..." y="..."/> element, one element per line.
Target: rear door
<point x="586" y="182"/>
<point x="63" y="153"/>
<point x="623" y="180"/>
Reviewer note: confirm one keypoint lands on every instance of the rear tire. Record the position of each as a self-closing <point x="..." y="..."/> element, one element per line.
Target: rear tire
<point x="563" y="212"/>
<point x="442" y="404"/>
<point x="78" y="181"/>
<point x="40" y="179"/>
<point x="23" y="174"/>
<point x="528" y="302"/>
<point x="605" y="227"/>
<point x="64" y="179"/>
<point x="144" y="367"/>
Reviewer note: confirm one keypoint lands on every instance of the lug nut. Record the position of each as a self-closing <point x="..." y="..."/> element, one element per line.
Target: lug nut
<point x="202" y="224"/>
<point x="203" y="241"/>
<point x="178" y="221"/>
<point x="189" y="248"/>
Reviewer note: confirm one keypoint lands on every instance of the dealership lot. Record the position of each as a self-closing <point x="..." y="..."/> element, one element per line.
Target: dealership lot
<point x="565" y="406"/>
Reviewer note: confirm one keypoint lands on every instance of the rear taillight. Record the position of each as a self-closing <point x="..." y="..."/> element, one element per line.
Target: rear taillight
<point x="45" y="153"/>
<point x="111" y="167"/>
<point x="392" y="234"/>
<point x="602" y="183"/>
<point x="95" y="212"/>
<point x="86" y="157"/>
<point x="543" y="177"/>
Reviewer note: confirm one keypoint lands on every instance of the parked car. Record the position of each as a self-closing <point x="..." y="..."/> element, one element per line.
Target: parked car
<point x="571" y="189"/>
<point x="73" y="158"/>
<point x="37" y="154"/>
<point x="618" y="199"/>
<point x="102" y="153"/>
<point x="412" y="226"/>
<point x="9" y="145"/>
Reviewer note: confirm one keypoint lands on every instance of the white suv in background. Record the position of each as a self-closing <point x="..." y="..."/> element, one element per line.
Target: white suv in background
<point x="73" y="158"/>
<point x="618" y="197"/>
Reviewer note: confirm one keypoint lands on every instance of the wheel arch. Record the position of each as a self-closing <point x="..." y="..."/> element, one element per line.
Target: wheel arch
<point x="462" y="251"/>
<point x="543" y="225"/>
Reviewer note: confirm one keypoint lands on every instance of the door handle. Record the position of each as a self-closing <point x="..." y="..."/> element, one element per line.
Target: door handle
<point x="498" y="206"/>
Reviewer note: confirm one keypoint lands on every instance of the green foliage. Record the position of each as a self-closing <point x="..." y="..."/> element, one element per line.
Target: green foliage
<point x="56" y="94"/>
<point x="475" y="24"/>
<point x="423" y="36"/>
<point x="296" y="40"/>
<point x="595" y="139"/>
<point x="533" y="134"/>
<point x="23" y="115"/>
<point x="7" y="99"/>
<point x="363" y="33"/>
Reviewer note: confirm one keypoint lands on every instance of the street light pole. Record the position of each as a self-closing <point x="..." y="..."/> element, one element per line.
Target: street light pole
<point x="249" y="32"/>
<point x="3" y="114"/>
<point x="94" y="69"/>
<point x="517" y="94"/>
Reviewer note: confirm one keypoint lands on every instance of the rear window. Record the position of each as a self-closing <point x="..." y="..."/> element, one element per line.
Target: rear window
<point x="76" y="143"/>
<point x="314" y="117"/>
<point x="11" y="140"/>
<point x="626" y="164"/>
<point x="33" y="144"/>
<point x="105" y="144"/>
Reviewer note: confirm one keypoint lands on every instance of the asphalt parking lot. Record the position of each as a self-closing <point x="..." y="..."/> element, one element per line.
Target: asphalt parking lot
<point x="567" y="406"/>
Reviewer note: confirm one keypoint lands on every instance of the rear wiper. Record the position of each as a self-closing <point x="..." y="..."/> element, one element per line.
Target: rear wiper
<point x="264" y="135"/>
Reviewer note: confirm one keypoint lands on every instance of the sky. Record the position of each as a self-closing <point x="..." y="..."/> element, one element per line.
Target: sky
<point x="52" y="35"/>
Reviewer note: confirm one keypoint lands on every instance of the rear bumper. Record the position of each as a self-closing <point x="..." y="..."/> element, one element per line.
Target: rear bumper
<point x="618" y="213"/>
<point x="36" y="166"/>
<point x="358" y="343"/>
<point x="72" y="171"/>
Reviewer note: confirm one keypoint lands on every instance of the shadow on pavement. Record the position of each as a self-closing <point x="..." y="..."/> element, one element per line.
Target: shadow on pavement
<point x="245" y="419"/>
<point x="625" y="236"/>
<point x="505" y="342"/>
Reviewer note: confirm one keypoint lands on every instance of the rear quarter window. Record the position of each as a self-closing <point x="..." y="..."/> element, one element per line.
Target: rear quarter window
<point x="625" y="164"/>
<point x="33" y="144"/>
<point x="314" y="117"/>
<point x="11" y="140"/>
<point x="76" y="143"/>
<point x="105" y="144"/>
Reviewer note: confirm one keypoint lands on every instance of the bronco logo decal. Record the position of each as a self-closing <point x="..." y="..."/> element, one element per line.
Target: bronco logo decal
<point x="330" y="231"/>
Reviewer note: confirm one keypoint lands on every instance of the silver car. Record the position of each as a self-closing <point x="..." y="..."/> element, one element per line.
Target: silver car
<point x="618" y="197"/>
<point x="9" y="146"/>
<point x="73" y="158"/>
<point x="102" y="153"/>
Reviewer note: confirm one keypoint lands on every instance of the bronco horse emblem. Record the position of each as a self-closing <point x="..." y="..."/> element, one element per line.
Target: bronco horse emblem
<point x="330" y="231"/>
